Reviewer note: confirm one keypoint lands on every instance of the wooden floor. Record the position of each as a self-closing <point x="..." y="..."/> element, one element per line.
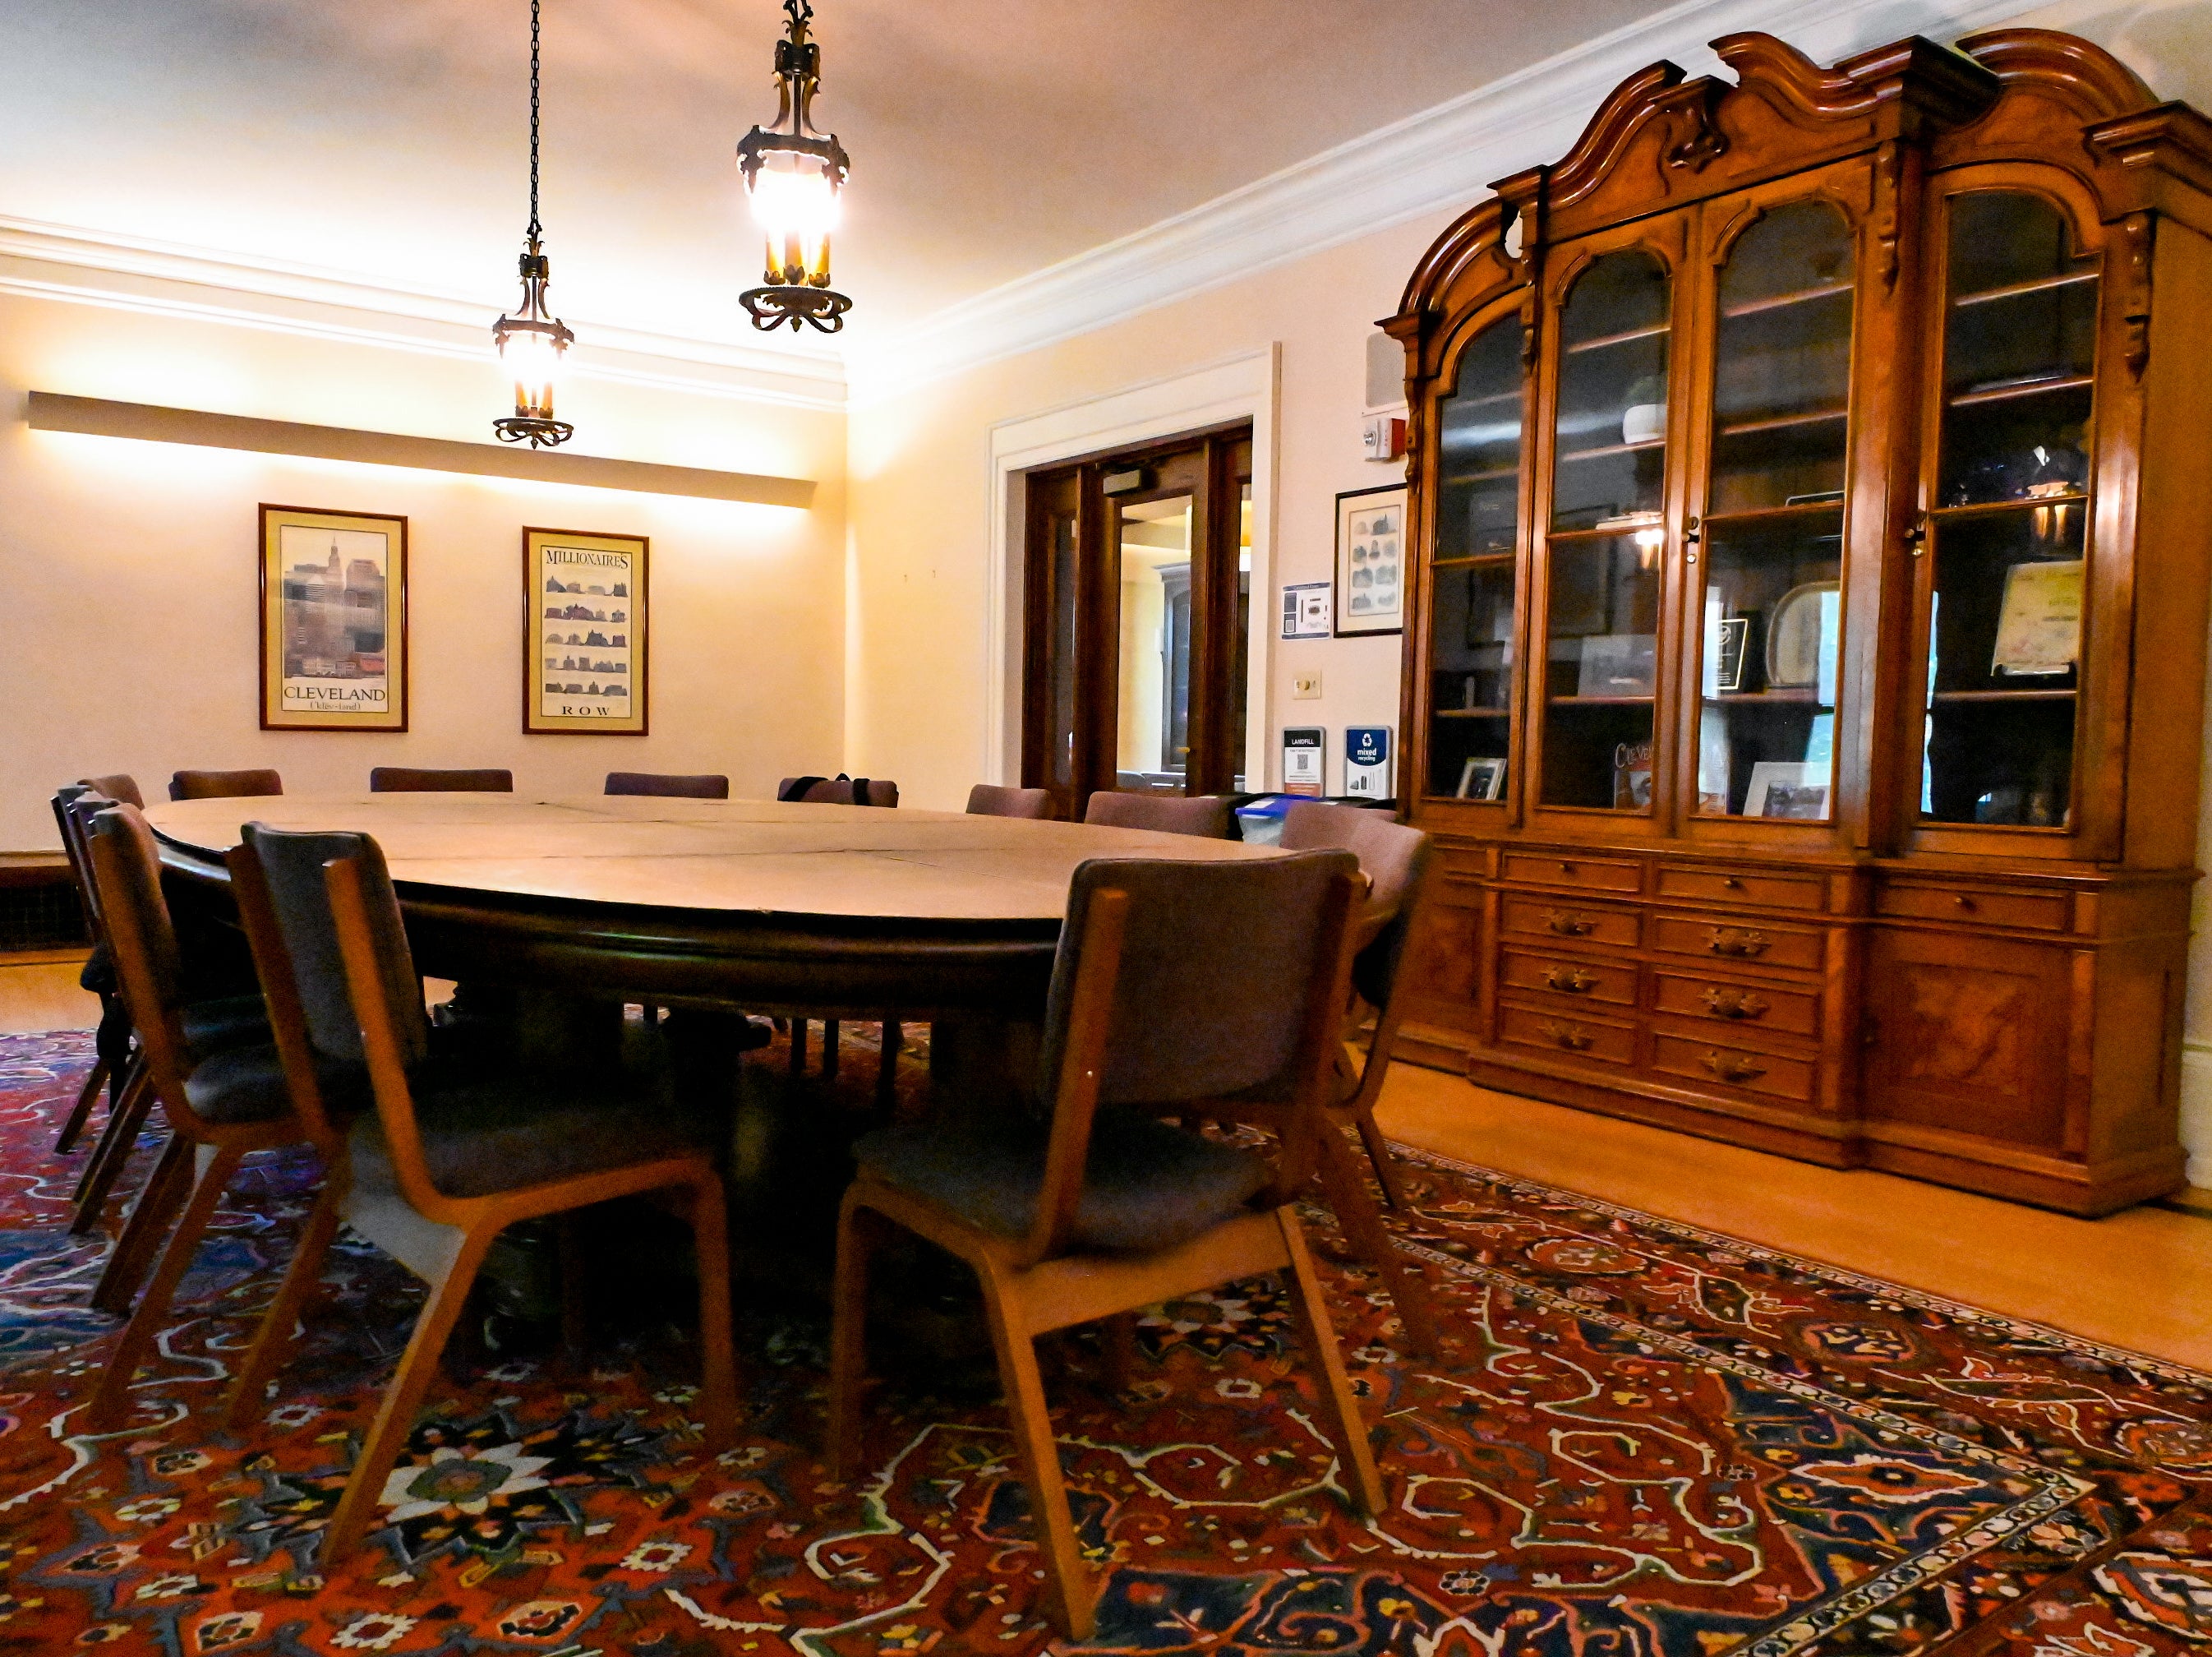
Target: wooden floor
<point x="2139" y="1279"/>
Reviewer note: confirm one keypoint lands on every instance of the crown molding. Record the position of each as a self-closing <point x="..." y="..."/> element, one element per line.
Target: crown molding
<point x="1439" y="160"/>
<point x="84" y="266"/>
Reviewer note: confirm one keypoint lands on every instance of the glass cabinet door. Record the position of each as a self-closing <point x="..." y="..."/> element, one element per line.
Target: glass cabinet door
<point x="2007" y="534"/>
<point x="1606" y="537"/>
<point x="1472" y="571"/>
<point x="1769" y="609"/>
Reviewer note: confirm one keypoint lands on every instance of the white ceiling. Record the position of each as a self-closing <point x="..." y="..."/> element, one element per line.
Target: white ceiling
<point x="386" y="139"/>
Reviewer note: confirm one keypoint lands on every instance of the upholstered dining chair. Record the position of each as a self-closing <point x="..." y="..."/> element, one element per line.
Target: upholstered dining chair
<point x="411" y="779"/>
<point x="989" y="800"/>
<point x="668" y="785"/>
<point x="110" y="1040"/>
<point x="1396" y="861"/>
<point x="1175" y="982"/>
<point x="454" y="1152"/>
<point x="1206" y="816"/>
<point x="224" y="785"/>
<point x="838" y="790"/>
<point x="221" y="1107"/>
<point x="119" y="786"/>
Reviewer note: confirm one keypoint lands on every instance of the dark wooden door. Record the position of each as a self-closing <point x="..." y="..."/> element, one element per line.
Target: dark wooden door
<point x="1137" y="612"/>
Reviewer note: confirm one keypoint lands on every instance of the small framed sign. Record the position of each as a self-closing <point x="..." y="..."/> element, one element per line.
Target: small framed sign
<point x="1302" y="754"/>
<point x="333" y="620"/>
<point x="1367" y="762"/>
<point x="1370" y="561"/>
<point x="585" y="633"/>
<point x="1305" y="610"/>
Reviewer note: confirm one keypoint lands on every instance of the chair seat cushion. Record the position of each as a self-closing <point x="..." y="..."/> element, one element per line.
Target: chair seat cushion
<point x="239" y="1085"/>
<point x="224" y="1022"/>
<point x="486" y="1134"/>
<point x="1147" y="1185"/>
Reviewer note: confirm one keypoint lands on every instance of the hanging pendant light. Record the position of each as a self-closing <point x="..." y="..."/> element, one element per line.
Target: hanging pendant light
<point x="532" y="344"/>
<point x="793" y="175"/>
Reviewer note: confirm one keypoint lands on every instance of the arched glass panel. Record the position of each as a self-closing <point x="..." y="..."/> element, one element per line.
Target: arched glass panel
<point x="1473" y="571"/>
<point x="1772" y="604"/>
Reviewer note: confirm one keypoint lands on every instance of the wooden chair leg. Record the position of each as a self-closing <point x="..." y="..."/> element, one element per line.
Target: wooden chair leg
<point x="829" y="1033"/>
<point x="395" y="1417"/>
<point x="117" y="1140"/>
<point x="105" y="1413"/>
<point x="1074" y="1608"/>
<point x="1362" y="1227"/>
<point x="718" y="1360"/>
<point x="1378" y="1152"/>
<point x="858" y="1230"/>
<point x="82" y="1111"/>
<point x="798" y="1047"/>
<point x="158" y="1199"/>
<point x="1340" y="1410"/>
<point x="887" y="1067"/>
<point x="1117" y="1337"/>
<point x="274" y="1338"/>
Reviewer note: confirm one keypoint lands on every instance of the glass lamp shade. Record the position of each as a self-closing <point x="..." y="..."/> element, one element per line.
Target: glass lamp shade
<point x="795" y="203"/>
<point x="532" y="352"/>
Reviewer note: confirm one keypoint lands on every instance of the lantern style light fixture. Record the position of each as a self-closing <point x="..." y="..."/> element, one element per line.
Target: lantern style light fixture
<point x="793" y="175"/>
<point x="530" y="345"/>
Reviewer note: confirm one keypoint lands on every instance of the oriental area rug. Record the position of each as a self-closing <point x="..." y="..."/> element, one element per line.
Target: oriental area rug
<point x="1643" y="1440"/>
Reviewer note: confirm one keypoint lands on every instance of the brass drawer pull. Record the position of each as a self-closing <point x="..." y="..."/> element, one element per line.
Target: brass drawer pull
<point x="1732" y="1067"/>
<point x="1732" y="1001"/>
<point x="1570" y="980"/>
<point x="1572" y="1036"/>
<point x="1735" y="941"/>
<point x="1568" y="924"/>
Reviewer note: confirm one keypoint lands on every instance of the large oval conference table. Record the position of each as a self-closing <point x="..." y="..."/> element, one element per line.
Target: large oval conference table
<point x="832" y="910"/>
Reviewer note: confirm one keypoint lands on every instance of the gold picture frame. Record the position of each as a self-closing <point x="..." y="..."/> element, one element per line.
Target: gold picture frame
<point x="586" y="633"/>
<point x="333" y="620"/>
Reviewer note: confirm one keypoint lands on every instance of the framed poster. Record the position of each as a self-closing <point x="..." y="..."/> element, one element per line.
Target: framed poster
<point x="333" y="620"/>
<point x="585" y="633"/>
<point x="1370" y="561"/>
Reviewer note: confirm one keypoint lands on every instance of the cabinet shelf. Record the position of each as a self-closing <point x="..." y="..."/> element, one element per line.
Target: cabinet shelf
<point x="1795" y="698"/>
<point x="2029" y="388"/>
<point x="1469" y="713"/>
<point x="1942" y="697"/>
<point x="1625" y="338"/>
<point x="1602" y="701"/>
<point x="2019" y="290"/>
<point x="1610" y="449"/>
<point x="1490" y="476"/>
<point x="1473" y="561"/>
<point x="1780" y="301"/>
<point x="1783" y="422"/>
<point x="2010" y="504"/>
<point x="1759" y="515"/>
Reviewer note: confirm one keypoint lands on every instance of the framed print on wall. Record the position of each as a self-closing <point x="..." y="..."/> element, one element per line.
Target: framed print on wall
<point x="333" y="620"/>
<point x="584" y="651"/>
<point x="1370" y="561"/>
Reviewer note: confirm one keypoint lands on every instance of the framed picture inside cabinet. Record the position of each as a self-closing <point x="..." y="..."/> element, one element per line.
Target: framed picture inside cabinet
<point x="1370" y="561"/>
<point x="586" y="633"/>
<point x="333" y="620"/>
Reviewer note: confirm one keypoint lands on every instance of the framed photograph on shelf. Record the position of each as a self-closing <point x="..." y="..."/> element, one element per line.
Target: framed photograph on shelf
<point x="1370" y="561"/>
<point x="1483" y="778"/>
<point x="1791" y="789"/>
<point x="585" y="632"/>
<point x="333" y="620"/>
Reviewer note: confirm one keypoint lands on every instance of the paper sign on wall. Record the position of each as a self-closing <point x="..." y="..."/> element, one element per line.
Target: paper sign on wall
<point x="1303" y="749"/>
<point x="1367" y="762"/>
<point x="1306" y="609"/>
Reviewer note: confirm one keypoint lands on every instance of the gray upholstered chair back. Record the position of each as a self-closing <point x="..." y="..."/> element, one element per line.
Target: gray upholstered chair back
<point x="119" y="786"/>
<point x="1217" y="964"/>
<point x="1206" y="816"/>
<point x="412" y="779"/>
<point x="1393" y="857"/>
<point x="224" y="785"/>
<point x="989" y="800"/>
<point x="292" y="862"/>
<point x="670" y="785"/>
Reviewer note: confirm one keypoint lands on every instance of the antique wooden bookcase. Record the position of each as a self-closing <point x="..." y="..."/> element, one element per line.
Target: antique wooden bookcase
<point x="1812" y="509"/>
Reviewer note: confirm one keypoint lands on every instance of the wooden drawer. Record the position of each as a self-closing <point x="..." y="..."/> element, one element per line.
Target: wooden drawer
<point x="1708" y="1063"/>
<point x="1549" y="978"/>
<point x="1751" y="1006"/>
<point x="1583" y="874"/>
<point x="1564" y="919"/>
<point x="1722" y="885"/>
<point x="1744" y="940"/>
<point x="1567" y="1034"/>
<point x="2043" y="911"/>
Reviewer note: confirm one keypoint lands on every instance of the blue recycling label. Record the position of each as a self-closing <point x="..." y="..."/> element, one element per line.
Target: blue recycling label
<point x="1366" y="744"/>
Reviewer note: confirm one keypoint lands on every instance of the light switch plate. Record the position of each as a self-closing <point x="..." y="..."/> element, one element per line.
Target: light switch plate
<point x="1305" y="686"/>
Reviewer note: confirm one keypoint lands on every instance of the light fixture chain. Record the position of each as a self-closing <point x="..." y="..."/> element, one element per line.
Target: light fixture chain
<point x="535" y="230"/>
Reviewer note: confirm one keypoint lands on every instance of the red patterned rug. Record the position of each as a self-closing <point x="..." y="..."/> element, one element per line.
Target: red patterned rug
<point x="1645" y="1439"/>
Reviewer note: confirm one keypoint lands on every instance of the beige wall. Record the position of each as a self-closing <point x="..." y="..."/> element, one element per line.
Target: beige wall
<point x="128" y="625"/>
